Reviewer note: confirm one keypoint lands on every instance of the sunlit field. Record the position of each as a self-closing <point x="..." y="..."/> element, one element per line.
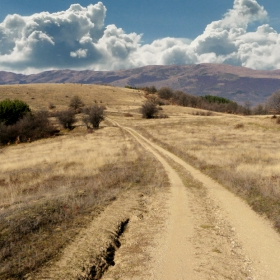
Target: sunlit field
<point x="243" y="153"/>
<point x="51" y="188"/>
<point x="41" y="96"/>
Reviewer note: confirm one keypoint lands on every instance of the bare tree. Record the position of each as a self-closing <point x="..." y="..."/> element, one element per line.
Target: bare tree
<point x="247" y="108"/>
<point x="66" y="118"/>
<point x="76" y="103"/>
<point x="95" y="115"/>
<point x="273" y="102"/>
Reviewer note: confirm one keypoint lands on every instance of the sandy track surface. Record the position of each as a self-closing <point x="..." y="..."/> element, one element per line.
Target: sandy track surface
<point x="208" y="233"/>
<point x="177" y="239"/>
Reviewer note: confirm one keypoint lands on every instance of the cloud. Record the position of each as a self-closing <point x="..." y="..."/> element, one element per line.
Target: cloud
<point x="222" y="39"/>
<point x="78" y="39"/>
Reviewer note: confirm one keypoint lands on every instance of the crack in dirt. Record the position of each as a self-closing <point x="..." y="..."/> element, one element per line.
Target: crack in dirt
<point x="107" y="259"/>
<point x="93" y="251"/>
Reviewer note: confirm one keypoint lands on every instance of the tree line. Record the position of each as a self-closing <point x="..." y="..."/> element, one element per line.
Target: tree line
<point x="166" y="95"/>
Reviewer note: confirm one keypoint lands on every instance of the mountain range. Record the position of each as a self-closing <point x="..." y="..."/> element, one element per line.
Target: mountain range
<point x="236" y="83"/>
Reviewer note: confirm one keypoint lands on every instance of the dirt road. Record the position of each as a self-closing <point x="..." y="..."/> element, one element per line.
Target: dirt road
<point x="209" y="233"/>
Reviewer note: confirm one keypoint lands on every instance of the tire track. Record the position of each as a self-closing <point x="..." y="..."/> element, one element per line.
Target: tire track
<point x="178" y="263"/>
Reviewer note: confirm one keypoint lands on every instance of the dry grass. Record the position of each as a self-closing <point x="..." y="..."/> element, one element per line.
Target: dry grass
<point x="50" y="189"/>
<point x="242" y="153"/>
<point x="40" y="96"/>
<point x="65" y="156"/>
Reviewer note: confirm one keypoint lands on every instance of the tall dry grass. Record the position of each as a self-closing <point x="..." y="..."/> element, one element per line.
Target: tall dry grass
<point x="27" y="168"/>
<point x="50" y="189"/>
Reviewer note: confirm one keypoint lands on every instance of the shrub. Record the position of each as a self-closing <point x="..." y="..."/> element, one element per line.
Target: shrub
<point x="215" y="99"/>
<point x="51" y="106"/>
<point x="35" y="126"/>
<point x="260" y="110"/>
<point x="161" y="102"/>
<point x="247" y="108"/>
<point x="30" y="127"/>
<point x="76" y="104"/>
<point x="181" y="98"/>
<point x="149" y="110"/>
<point x="66" y="118"/>
<point x="165" y="93"/>
<point x="95" y="115"/>
<point x="273" y="102"/>
<point x="151" y="89"/>
<point x="8" y="134"/>
<point x="12" y="111"/>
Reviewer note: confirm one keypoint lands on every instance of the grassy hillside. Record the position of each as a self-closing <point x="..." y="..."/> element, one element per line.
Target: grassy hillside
<point x="52" y="188"/>
<point x="39" y="96"/>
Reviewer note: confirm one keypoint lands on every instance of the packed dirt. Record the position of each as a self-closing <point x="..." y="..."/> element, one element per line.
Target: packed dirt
<point x="194" y="230"/>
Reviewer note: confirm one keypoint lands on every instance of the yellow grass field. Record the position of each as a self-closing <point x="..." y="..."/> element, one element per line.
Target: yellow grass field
<point x="40" y="96"/>
<point x="51" y="188"/>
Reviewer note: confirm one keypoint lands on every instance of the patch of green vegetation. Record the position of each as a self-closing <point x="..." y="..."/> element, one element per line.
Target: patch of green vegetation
<point x="216" y="99"/>
<point x="11" y="111"/>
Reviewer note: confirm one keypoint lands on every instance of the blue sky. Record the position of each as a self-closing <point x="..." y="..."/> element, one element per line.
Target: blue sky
<point x="155" y="19"/>
<point x="129" y="34"/>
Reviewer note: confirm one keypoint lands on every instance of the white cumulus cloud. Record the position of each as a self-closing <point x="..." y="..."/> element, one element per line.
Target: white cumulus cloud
<point x="78" y="39"/>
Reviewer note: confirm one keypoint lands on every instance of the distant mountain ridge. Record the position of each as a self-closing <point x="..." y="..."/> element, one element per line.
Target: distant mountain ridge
<point x="236" y="83"/>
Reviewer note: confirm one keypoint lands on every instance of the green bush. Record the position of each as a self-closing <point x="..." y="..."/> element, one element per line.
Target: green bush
<point x="215" y="99"/>
<point x="11" y="111"/>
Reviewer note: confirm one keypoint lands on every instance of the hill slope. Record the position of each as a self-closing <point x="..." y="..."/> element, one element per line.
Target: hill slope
<point x="236" y="83"/>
